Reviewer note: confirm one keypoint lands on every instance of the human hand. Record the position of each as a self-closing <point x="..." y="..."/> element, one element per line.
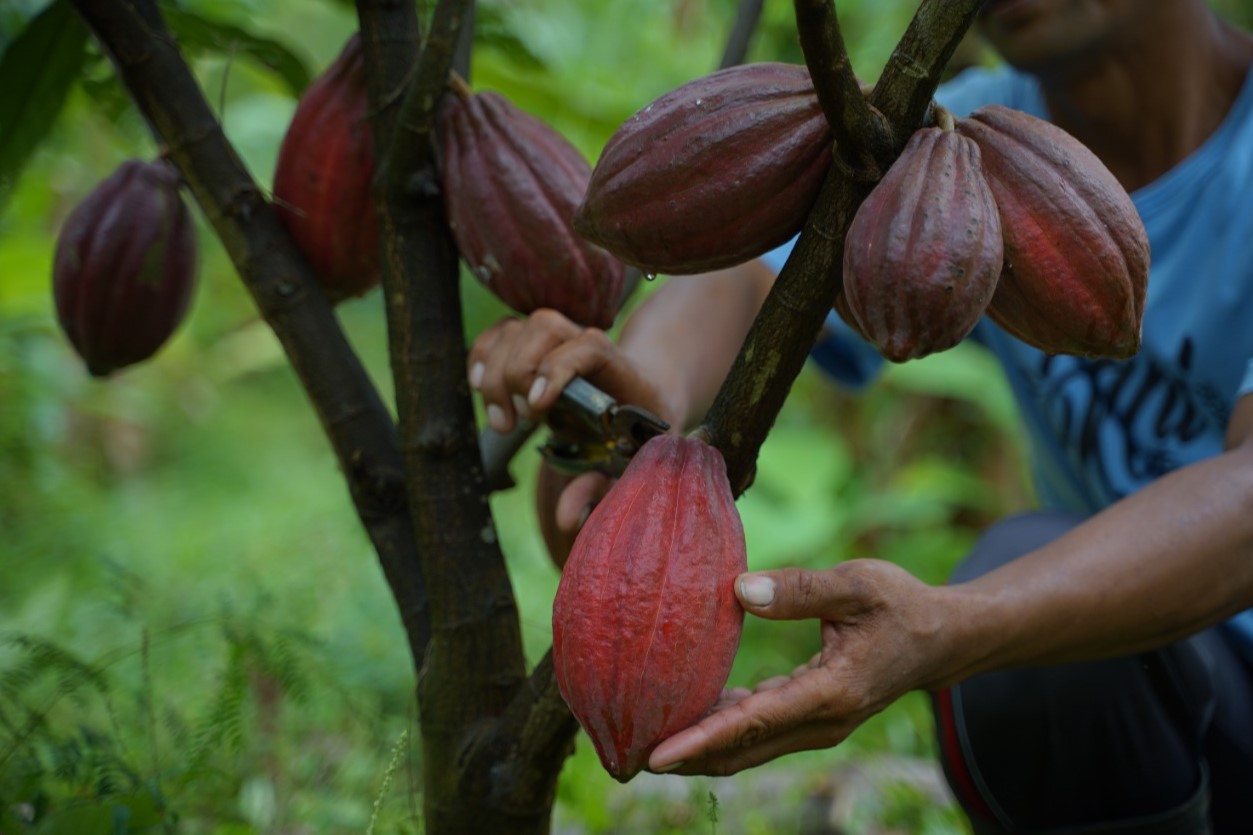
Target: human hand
<point x="883" y="633"/>
<point x="519" y="367"/>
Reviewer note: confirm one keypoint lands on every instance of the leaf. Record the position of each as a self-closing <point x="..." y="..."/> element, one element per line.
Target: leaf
<point x="196" y="32"/>
<point x="37" y="71"/>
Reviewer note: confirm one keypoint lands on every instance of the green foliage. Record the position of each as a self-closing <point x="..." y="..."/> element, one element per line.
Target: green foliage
<point x="37" y="69"/>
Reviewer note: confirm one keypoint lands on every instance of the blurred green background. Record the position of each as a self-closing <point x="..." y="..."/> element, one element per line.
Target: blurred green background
<point x="195" y="635"/>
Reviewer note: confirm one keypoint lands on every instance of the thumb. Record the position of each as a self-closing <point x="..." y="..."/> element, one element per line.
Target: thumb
<point x="578" y="499"/>
<point x="798" y="594"/>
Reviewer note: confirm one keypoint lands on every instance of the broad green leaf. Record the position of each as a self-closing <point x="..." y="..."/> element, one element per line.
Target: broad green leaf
<point x="37" y="71"/>
<point x="199" y="33"/>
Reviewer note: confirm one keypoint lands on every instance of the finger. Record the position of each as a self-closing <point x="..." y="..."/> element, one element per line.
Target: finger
<point x="762" y="716"/>
<point x="506" y="363"/>
<point x="544" y="332"/>
<point x="730" y="696"/>
<point x="800" y="594"/>
<point x="578" y="499"/>
<point x="772" y="683"/>
<point x="598" y="359"/>
<point x="807" y="737"/>
<point x="481" y="349"/>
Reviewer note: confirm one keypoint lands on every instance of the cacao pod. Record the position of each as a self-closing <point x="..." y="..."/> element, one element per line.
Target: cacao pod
<point x="1076" y="252"/>
<point x="713" y="173"/>
<point x="923" y="254"/>
<point x="645" y="622"/>
<point x="511" y="183"/>
<point x="125" y="267"/>
<point x="322" y="180"/>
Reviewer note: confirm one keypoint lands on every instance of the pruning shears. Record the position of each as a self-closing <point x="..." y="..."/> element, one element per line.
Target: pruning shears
<point x="589" y="430"/>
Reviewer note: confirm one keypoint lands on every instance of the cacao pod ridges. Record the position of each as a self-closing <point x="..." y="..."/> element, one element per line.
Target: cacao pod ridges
<point x="511" y="183"/>
<point x="711" y="174"/>
<point x="323" y="179"/>
<point x="645" y="621"/>
<point x="125" y="266"/>
<point x="1076" y="252"/>
<point x="923" y="254"/>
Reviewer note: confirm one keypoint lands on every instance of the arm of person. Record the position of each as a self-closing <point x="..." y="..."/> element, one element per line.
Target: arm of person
<point x="1167" y="561"/>
<point x="672" y="355"/>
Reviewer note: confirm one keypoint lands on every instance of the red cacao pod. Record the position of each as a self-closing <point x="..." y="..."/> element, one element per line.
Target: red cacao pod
<point x="645" y="621"/>
<point x="923" y="254"/>
<point x="511" y="183"/>
<point x="1076" y="252"/>
<point x="125" y="267"/>
<point x="713" y="173"/>
<point x="322" y="181"/>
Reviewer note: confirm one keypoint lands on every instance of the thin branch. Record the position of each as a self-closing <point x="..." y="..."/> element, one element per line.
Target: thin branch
<point x="409" y="150"/>
<point x="353" y="415"/>
<point x="911" y="75"/>
<point x="746" y="18"/>
<point x="862" y="137"/>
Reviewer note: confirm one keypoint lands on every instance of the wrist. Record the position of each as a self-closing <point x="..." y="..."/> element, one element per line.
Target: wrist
<point x="971" y="627"/>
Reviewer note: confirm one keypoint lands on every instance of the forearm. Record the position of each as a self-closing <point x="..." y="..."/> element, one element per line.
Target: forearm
<point x="1169" y="560"/>
<point x="685" y="337"/>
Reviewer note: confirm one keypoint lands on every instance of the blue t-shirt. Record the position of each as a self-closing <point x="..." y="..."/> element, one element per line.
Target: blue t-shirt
<point x="1102" y="429"/>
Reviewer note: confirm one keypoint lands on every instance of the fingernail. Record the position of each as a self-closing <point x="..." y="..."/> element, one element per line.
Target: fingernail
<point x="521" y="406"/>
<point x="496" y="418"/>
<point x="666" y="769"/>
<point x="537" y="390"/>
<point x="587" y="511"/>
<point x="476" y="375"/>
<point x="756" y="590"/>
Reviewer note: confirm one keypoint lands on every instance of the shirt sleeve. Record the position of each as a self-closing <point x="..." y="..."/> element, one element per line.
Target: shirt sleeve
<point x="1246" y="384"/>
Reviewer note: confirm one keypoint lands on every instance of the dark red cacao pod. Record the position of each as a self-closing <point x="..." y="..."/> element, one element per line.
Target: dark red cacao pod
<point x="322" y="181"/>
<point x="1076" y="252"/>
<point x="645" y="622"/>
<point x="713" y="173"/>
<point x="923" y="254"/>
<point x="511" y="183"/>
<point x="125" y="267"/>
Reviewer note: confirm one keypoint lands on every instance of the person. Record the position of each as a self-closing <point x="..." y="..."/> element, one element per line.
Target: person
<point x="1090" y="663"/>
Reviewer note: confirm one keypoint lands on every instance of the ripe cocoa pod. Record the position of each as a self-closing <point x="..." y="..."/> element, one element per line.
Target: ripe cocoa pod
<point x="322" y="180"/>
<point x="125" y="267"/>
<point x="511" y="183"/>
<point x="1076" y="252"/>
<point x="645" y="622"/>
<point x="711" y="174"/>
<point x="923" y="254"/>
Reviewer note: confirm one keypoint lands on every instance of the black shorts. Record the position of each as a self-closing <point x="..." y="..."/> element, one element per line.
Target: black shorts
<point x="1160" y="742"/>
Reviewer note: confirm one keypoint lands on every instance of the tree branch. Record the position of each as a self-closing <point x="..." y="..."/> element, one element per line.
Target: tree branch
<point x="746" y="18"/>
<point x="904" y="91"/>
<point x="862" y="137"/>
<point x="780" y="339"/>
<point x="286" y="293"/>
